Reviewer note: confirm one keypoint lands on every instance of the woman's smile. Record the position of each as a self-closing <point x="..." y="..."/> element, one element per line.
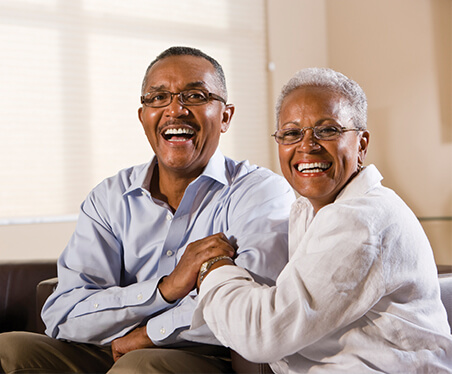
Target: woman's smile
<point x="316" y="168"/>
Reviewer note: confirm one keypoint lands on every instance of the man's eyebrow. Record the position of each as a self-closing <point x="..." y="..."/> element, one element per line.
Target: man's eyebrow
<point x="197" y="84"/>
<point x="156" y="88"/>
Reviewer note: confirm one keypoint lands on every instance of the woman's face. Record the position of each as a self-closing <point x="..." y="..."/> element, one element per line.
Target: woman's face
<point x="319" y="169"/>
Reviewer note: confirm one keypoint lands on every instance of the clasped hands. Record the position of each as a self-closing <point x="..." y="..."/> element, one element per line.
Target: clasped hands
<point x="178" y="284"/>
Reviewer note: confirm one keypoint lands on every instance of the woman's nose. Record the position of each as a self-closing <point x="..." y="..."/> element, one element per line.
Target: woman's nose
<point x="308" y="143"/>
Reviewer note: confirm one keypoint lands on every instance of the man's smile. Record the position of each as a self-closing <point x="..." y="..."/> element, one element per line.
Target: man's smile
<point x="178" y="134"/>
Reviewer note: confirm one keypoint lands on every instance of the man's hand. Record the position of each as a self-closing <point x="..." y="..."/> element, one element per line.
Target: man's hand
<point x="136" y="339"/>
<point x="184" y="277"/>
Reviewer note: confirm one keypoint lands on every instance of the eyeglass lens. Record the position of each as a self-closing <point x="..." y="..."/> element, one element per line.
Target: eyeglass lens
<point x="288" y="136"/>
<point x="162" y="98"/>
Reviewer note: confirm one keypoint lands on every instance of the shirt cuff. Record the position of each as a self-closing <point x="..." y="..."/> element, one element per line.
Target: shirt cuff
<point x="222" y="274"/>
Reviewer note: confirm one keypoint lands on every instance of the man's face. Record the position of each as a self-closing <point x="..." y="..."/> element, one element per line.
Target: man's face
<point x="319" y="169"/>
<point x="184" y="137"/>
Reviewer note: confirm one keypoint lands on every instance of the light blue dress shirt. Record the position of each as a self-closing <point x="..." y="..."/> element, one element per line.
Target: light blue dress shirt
<point x="126" y="241"/>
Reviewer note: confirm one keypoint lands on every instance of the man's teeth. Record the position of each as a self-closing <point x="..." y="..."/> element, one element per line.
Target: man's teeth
<point x="181" y="134"/>
<point x="313" y="167"/>
<point x="179" y="131"/>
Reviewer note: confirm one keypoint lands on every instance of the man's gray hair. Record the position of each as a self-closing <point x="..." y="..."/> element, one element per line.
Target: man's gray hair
<point x="189" y="51"/>
<point x="331" y="80"/>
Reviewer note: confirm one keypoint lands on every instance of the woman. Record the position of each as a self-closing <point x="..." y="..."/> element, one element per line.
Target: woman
<point x="360" y="293"/>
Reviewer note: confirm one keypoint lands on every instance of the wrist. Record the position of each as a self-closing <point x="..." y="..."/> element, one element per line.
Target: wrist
<point x="165" y="291"/>
<point x="211" y="264"/>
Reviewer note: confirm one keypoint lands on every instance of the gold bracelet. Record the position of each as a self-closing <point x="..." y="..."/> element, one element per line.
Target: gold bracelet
<point x="205" y="267"/>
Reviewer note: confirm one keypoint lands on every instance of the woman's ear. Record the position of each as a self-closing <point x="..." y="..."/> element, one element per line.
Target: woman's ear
<point x="227" y="116"/>
<point x="363" y="145"/>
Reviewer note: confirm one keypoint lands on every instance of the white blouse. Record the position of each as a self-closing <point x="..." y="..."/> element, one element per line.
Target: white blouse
<point x="360" y="293"/>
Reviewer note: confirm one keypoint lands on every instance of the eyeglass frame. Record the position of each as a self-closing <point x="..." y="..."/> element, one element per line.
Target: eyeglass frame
<point x="210" y="96"/>
<point x="303" y="132"/>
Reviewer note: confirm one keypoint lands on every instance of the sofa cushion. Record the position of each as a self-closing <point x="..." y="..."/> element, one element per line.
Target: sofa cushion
<point x="445" y="283"/>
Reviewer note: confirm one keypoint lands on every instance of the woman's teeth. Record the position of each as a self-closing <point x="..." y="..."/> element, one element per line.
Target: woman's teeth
<point x="313" y="167"/>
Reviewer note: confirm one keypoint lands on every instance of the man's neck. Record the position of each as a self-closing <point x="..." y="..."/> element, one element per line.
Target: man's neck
<point x="169" y="187"/>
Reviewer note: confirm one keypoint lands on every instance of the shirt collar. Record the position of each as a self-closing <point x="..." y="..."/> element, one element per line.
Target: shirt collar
<point x="140" y="178"/>
<point x="361" y="183"/>
<point x="215" y="169"/>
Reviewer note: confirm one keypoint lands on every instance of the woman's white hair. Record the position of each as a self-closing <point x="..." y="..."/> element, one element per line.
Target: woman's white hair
<point x="331" y="80"/>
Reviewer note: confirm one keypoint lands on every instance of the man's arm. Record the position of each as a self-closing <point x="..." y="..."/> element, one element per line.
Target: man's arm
<point x="89" y="291"/>
<point x="176" y="286"/>
<point x="182" y="279"/>
<point x="257" y="224"/>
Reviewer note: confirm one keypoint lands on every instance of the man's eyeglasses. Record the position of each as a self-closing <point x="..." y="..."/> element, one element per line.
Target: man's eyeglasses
<point x="162" y="98"/>
<point x="322" y="132"/>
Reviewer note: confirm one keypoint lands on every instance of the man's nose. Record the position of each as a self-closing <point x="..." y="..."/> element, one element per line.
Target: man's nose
<point x="175" y="108"/>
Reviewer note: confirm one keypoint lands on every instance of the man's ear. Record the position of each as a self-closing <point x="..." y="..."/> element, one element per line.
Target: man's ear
<point x="227" y="116"/>
<point x="140" y="111"/>
<point x="363" y="145"/>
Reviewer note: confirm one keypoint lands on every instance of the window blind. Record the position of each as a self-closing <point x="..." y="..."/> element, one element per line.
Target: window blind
<point x="70" y="82"/>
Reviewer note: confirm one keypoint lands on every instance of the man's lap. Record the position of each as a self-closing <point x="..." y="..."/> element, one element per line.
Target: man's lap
<point x="37" y="353"/>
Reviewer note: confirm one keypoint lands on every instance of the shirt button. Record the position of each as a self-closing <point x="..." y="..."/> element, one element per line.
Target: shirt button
<point x="162" y="331"/>
<point x="139" y="296"/>
<point x="169" y="253"/>
<point x="96" y="306"/>
<point x="168" y="217"/>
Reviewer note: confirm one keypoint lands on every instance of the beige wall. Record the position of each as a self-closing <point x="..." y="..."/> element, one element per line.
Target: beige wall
<point x="401" y="53"/>
<point x="39" y="241"/>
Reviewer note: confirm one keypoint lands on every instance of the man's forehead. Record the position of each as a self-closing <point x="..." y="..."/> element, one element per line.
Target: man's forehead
<point x="190" y="85"/>
<point x="185" y="70"/>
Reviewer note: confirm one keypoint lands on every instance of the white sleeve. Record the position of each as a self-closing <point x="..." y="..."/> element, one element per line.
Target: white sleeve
<point x="333" y="279"/>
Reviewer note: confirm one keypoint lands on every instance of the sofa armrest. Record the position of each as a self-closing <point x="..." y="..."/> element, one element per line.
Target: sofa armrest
<point x="43" y="290"/>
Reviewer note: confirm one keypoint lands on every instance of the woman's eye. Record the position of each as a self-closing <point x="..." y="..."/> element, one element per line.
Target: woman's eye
<point x="328" y="130"/>
<point x="291" y="133"/>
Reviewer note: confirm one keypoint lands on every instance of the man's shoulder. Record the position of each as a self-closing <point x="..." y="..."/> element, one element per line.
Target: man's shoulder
<point x="125" y="179"/>
<point x="257" y="180"/>
<point x="240" y="171"/>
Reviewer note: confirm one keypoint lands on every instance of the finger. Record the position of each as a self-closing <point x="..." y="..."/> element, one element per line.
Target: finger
<point x="116" y="355"/>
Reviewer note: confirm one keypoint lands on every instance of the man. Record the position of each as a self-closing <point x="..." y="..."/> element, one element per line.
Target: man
<point x="123" y="291"/>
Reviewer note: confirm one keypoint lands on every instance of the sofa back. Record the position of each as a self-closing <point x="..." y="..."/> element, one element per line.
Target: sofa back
<point x="18" y="281"/>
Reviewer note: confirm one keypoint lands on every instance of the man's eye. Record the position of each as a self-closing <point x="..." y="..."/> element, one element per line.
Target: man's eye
<point x="194" y="96"/>
<point x="156" y="97"/>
